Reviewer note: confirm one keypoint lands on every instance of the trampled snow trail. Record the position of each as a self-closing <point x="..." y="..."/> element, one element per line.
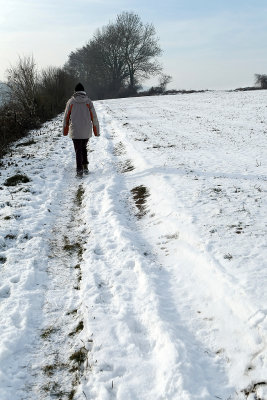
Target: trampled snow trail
<point x="142" y="280"/>
<point x="55" y="374"/>
<point x="41" y="318"/>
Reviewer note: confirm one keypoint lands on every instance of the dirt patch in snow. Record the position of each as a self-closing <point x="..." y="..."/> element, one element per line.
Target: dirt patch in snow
<point x="140" y="195"/>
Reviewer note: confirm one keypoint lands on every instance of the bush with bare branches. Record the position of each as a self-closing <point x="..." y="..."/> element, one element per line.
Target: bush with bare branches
<point x="261" y="80"/>
<point x="31" y="99"/>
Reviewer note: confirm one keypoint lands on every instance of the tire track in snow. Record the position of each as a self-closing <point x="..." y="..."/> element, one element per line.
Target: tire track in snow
<point x="141" y="347"/>
<point x="213" y="288"/>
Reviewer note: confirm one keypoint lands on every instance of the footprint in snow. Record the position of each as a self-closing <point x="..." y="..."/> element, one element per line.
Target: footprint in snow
<point x="5" y="291"/>
<point x="129" y="264"/>
<point x="100" y="188"/>
<point x="106" y="367"/>
<point x="15" y="279"/>
<point x="98" y="251"/>
<point x="258" y="318"/>
<point x="111" y="246"/>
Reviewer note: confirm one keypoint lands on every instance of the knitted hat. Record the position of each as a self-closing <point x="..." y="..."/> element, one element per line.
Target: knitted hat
<point x="79" y="88"/>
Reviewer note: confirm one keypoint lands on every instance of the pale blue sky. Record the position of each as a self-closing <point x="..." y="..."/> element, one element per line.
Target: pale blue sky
<point x="214" y="44"/>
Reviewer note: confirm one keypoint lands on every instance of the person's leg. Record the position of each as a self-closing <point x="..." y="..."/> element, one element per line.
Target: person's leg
<point x="79" y="154"/>
<point x="84" y="154"/>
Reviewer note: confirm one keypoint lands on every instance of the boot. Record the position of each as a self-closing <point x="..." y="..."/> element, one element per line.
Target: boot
<point x="85" y="169"/>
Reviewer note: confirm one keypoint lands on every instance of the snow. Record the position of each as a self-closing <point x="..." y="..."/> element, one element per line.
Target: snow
<point x="145" y="279"/>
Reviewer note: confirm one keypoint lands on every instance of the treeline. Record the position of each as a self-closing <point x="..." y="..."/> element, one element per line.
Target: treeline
<point x="112" y="64"/>
<point x="31" y="98"/>
<point x="260" y="82"/>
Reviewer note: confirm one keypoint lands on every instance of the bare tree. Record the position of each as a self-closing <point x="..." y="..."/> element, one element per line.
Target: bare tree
<point x="164" y="80"/>
<point x="4" y="93"/>
<point x="140" y="47"/>
<point x="261" y="79"/>
<point x="110" y="56"/>
<point x="23" y="84"/>
<point x="120" y="55"/>
<point x="87" y="66"/>
<point x="79" y="63"/>
<point x="55" y="87"/>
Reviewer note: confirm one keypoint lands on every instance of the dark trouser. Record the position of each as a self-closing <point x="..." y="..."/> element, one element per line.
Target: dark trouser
<point x="81" y="152"/>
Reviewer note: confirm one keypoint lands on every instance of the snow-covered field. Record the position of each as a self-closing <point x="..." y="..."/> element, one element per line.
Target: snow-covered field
<point x="145" y="280"/>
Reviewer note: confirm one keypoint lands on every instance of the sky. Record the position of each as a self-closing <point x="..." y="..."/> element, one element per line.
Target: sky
<point x="207" y="44"/>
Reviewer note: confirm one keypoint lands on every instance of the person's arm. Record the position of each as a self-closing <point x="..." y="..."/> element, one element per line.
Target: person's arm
<point x="66" y="120"/>
<point x="94" y="119"/>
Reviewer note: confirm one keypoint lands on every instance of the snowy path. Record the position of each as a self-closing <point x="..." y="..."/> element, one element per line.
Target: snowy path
<point x="136" y="317"/>
<point x="43" y="239"/>
<point x="146" y="279"/>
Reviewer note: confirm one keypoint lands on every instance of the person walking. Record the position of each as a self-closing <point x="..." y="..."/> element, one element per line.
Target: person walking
<point x="80" y="120"/>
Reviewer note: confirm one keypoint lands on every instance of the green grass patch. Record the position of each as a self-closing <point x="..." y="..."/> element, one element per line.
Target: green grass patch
<point x="73" y="247"/>
<point x="78" y="329"/>
<point x="126" y="166"/>
<point x="54" y="389"/>
<point x="46" y="333"/>
<point x="49" y="370"/>
<point x="10" y="236"/>
<point x="71" y="394"/>
<point x="16" y="180"/>
<point x="119" y="149"/>
<point x="140" y="195"/>
<point x="79" y="196"/>
<point x="73" y="312"/>
<point x="79" y="356"/>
